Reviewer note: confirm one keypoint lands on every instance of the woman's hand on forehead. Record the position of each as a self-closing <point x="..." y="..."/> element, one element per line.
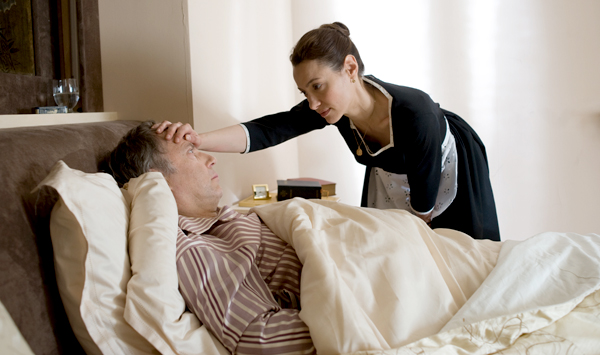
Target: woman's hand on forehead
<point x="177" y="132"/>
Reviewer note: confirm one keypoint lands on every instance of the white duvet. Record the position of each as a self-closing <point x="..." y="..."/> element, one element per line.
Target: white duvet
<point x="382" y="282"/>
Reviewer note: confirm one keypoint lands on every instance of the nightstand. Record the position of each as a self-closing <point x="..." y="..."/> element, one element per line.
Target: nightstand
<point x="249" y="202"/>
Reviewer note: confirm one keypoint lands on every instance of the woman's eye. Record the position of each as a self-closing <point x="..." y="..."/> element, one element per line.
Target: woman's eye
<point x="317" y="86"/>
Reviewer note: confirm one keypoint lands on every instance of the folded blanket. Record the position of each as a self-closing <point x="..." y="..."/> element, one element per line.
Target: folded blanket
<point x="382" y="281"/>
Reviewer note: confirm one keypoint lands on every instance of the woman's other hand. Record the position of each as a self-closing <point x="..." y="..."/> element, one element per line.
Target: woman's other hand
<point x="426" y="217"/>
<point x="177" y="132"/>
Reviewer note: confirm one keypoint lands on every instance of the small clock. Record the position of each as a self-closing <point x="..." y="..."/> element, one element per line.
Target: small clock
<point x="261" y="192"/>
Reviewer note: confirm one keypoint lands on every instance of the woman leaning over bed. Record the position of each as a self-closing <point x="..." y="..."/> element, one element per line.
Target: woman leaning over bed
<point x="419" y="157"/>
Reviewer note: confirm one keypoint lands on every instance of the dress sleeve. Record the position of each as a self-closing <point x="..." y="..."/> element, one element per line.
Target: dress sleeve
<point x="422" y="139"/>
<point x="271" y="130"/>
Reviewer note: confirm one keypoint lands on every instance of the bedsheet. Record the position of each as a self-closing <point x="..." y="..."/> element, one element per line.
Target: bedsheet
<point x="382" y="282"/>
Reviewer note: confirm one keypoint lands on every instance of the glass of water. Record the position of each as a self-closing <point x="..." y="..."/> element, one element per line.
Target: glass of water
<point x="66" y="92"/>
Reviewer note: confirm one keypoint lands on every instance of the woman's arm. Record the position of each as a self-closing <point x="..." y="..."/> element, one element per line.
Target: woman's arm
<point x="230" y="139"/>
<point x="264" y="132"/>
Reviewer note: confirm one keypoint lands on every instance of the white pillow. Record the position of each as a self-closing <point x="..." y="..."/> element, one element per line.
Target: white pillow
<point x="88" y="227"/>
<point x="154" y="306"/>
<point x="11" y="339"/>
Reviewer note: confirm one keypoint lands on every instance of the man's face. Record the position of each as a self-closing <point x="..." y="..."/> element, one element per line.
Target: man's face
<point x="195" y="184"/>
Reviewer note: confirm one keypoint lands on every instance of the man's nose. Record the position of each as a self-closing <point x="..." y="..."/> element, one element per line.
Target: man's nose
<point x="211" y="160"/>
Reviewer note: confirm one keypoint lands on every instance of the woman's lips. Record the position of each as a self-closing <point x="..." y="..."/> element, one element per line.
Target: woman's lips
<point x="325" y="113"/>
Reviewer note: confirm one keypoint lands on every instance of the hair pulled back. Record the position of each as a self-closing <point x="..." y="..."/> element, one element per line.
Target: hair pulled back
<point x="328" y="44"/>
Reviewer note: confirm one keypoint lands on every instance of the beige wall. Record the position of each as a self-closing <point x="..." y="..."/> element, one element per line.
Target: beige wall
<point x="145" y="59"/>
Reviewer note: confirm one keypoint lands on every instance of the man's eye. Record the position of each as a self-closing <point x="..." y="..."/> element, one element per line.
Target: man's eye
<point x="317" y="86"/>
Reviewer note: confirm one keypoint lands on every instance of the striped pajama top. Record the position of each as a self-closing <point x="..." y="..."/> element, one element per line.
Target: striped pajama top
<point x="243" y="283"/>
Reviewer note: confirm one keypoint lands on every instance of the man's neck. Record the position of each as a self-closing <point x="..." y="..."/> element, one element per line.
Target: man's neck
<point x="203" y="213"/>
<point x="198" y="210"/>
<point x="208" y="215"/>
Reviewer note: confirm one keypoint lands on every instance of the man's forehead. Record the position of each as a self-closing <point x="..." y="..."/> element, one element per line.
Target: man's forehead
<point x="182" y="145"/>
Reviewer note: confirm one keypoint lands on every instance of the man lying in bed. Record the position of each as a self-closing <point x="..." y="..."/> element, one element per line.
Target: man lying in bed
<point x="235" y="275"/>
<point x="372" y="279"/>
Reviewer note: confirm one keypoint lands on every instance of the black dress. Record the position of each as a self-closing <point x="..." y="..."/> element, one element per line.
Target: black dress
<point x="418" y="128"/>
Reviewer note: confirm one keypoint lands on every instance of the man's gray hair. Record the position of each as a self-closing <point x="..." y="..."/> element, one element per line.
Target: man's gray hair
<point x="140" y="150"/>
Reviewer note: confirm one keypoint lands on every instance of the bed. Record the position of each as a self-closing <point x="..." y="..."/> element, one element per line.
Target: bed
<point x="374" y="282"/>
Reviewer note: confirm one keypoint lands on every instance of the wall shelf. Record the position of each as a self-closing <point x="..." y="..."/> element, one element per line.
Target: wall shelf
<point x="29" y="120"/>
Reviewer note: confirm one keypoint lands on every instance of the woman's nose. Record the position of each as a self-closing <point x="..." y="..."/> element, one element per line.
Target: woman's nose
<point x="313" y="103"/>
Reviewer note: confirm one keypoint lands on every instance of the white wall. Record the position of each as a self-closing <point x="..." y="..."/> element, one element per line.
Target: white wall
<point x="544" y="125"/>
<point x="524" y="74"/>
<point x="145" y="59"/>
<point x="324" y="154"/>
<point x="238" y="55"/>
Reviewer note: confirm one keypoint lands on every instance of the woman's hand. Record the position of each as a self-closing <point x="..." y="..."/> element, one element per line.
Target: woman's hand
<point x="426" y="217"/>
<point x="230" y="139"/>
<point x="177" y="132"/>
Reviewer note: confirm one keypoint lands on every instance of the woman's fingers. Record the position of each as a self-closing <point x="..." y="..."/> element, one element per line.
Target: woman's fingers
<point x="176" y="131"/>
<point x="185" y="132"/>
<point x="173" y="132"/>
<point x="160" y="127"/>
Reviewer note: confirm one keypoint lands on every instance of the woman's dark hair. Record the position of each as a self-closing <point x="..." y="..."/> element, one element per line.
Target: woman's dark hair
<point x="138" y="151"/>
<point x="329" y="44"/>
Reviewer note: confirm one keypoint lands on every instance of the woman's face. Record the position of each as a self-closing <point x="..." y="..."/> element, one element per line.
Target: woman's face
<point x="327" y="91"/>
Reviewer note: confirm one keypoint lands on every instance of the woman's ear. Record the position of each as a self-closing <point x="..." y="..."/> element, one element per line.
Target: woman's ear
<point x="351" y="66"/>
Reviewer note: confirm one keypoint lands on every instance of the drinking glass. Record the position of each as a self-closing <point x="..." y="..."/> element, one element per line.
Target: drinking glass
<point x="66" y="92"/>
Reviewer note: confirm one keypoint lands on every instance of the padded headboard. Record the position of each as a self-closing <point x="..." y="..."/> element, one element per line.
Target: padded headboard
<point x="27" y="281"/>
